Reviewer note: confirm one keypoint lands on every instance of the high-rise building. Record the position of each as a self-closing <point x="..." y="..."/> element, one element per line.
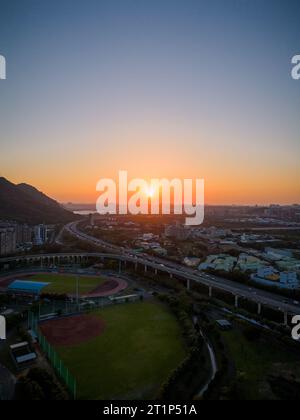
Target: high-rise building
<point x="40" y="235"/>
<point x="23" y="234"/>
<point x="8" y="243"/>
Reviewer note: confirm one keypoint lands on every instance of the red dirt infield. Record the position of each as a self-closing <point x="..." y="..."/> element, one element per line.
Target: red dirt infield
<point x="73" y="330"/>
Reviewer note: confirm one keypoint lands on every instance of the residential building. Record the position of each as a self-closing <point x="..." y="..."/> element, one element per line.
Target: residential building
<point x="289" y="264"/>
<point x="23" y="234"/>
<point x="40" y="235"/>
<point x="191" y="261"/>
<point x="249" y="263"/>
<point x="272" y="277"/>
<point x="289" y="279"/>
<point x="277" y="254"/>
<point x="222" y="262"/>
<point x="8" y="243"/>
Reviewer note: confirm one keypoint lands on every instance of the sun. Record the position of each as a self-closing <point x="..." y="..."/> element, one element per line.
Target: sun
<point x="150" y="192"/>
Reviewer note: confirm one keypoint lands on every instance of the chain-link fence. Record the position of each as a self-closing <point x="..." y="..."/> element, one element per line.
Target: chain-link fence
<point x="58" y="308"/>
<point x="53" y="357"/>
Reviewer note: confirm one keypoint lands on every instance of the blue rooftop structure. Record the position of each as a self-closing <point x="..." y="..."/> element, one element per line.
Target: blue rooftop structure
<point x="24" y="286"/>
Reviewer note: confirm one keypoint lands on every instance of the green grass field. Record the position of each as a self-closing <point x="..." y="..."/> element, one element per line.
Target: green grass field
<point x="66" y="283"/>
<point x="141" y="345"/>
<point x="255" y="361"/>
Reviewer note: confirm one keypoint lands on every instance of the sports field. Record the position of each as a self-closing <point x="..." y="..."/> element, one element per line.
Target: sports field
<point x="136" y="348"/>
<point x="66" y="283"/>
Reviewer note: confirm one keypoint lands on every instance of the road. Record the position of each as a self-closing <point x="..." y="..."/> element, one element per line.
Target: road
<point x="59" y="237"/>
<point x="214" y="366"/>
<point x="259" y="296"/>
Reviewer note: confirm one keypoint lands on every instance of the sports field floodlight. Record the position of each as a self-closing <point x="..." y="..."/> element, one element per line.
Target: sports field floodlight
<point x="2" y="328"/>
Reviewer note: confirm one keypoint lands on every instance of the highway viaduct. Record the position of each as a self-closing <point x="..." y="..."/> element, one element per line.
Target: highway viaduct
<point x="238" y="291"/>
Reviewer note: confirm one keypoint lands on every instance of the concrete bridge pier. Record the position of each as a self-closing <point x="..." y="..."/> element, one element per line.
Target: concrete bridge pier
<point x="171" y="275"/>
<point x="210" y="292"/>
<point x="188" y="284"/>
<point x="259" y="309"/>
<point x="146" y="268"/>
<point x="136" y="266"/>
<point x="286" y="319"/>
<point x="236" y="301"/>
<point x="155" y="271"/>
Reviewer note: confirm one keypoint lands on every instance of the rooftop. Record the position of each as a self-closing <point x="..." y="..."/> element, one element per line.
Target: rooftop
<point x="27" y="286"/>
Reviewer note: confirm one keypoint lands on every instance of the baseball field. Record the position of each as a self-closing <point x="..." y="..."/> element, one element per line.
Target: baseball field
<point x="120" y="352"/>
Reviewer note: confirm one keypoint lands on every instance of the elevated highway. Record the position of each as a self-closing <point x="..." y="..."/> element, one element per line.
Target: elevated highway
<point x="258" y="296"/>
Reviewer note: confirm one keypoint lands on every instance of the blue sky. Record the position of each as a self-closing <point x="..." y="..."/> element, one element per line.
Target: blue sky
<point x="161" y="88"/>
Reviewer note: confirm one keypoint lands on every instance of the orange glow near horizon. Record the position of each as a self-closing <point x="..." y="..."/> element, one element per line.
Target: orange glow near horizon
<point x="227" y="189"/>
<point x="138" y="87"/>
<point x="232" y="175"/>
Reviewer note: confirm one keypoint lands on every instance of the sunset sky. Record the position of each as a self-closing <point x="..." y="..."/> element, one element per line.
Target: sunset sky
<point x="173" y="88"/>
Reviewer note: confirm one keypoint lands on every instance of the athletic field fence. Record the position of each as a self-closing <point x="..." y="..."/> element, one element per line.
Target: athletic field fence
<point x="56" y="362"/>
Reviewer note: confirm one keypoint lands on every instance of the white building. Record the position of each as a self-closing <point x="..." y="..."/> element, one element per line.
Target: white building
<point x="149" y="236"/>
<point x="40" y="235"/>
<point x="191" y="261"/>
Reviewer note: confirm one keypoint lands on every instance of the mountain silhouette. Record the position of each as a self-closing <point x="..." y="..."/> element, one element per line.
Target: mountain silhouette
<point x="25" y="204"/>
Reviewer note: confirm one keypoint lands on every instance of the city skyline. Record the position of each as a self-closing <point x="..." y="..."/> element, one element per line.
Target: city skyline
<point x="175" y="89"/>
<point x="92" y="203"/>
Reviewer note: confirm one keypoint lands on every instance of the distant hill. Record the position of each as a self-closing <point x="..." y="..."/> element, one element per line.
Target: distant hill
<point x="24" y="203"/>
